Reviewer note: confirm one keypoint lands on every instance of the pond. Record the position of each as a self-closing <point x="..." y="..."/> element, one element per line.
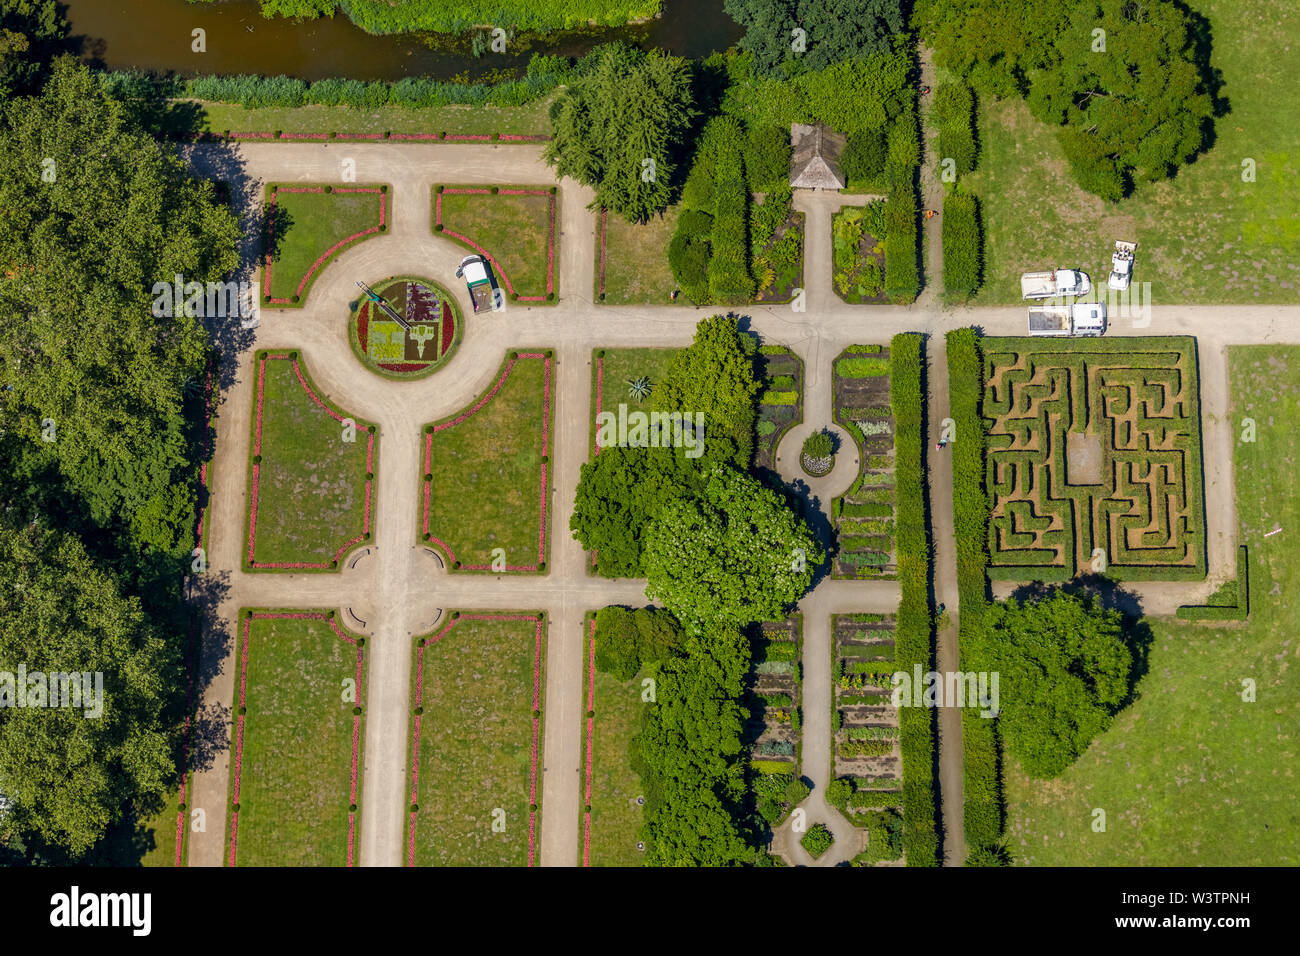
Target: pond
<point x="157" y="35"/>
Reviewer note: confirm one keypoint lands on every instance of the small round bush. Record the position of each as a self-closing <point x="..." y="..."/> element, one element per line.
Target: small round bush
<point x="817" y="840"/>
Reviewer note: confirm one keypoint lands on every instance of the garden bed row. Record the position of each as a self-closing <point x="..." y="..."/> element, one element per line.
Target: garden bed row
<point x="864" y="516"/>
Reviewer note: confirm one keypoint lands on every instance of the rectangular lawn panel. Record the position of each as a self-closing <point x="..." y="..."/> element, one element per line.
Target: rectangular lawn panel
<point x="612" y="369"/>
<point x="607" y="832"/>
<point x="632" y="259"/>
<point x="486" y="472"/>
<point x="1094" y="451"/>
<point x="296" y="741"/>
<point x="306" y="226"/>
<point x="476" y="738"/>
<point x="513" y="226"/>
<point x="309" y="485"/>
<point x="1189" y="773"/>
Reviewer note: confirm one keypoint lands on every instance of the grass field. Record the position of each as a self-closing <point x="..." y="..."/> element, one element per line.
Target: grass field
<point x="295" y="769"/>
<point x="307" y="227"/>
<point x="490" y="472"/>
<point x="1204" y="236"/>
<point x="309" y="497"/>
<point x="527" y="120"/>
<point x="609" y="837"/>
<point x="477" y="737"/>
<point x="612" y="369"/>
<point x="515" y="227"/>
<point x="1190" y="774"/>
<point x="636" y="260"/>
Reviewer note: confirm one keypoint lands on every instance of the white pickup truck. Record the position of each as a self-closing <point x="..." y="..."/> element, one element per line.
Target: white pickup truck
<point x="1082" y="319"/>
<point x="1058" y="282"/>
<point x="1121" y="265"/>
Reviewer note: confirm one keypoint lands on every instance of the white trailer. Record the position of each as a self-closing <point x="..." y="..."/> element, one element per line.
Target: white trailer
<point x="1058" y="282"/>
<point x="1121" y="265"/>
<point x="1079" y="319"/>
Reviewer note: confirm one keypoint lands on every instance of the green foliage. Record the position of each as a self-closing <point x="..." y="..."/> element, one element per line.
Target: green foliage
<point x="963" y="245"/>
<point x="628" y="639"/>
<point x="902" y="275"/>
<point x="836" y="30"/>
<point x="688" y="254"/>
<point x="31" y="31"/>
<point x="1065" y="671"/>
<point x="727" y="554"/>
<point x="767" y="156"/>
<point x="838" y="792"/>
<point x="913" y="643"/>
<point x="817" y="840"/>
<point x="1231" y="602"/>
<point x="865" y="154"/>
<point x="818" y="445"/>
<point x="884" y="837"/>
<point x="729" y="277"/>
<point x="954" y="115"/>
<point x="861" y="367"/>
<point x="619" y="127"/>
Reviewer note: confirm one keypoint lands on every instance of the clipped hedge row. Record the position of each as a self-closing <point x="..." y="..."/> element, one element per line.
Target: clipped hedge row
<point x="981" y="775"/>
<point x="913" y="643"/>
<point x="902" y="273"/>
<point x="729" y="277"/>
<point x="954" y="116"/>
<point x="1237" y="611"/>
<point x="963" y="245"/>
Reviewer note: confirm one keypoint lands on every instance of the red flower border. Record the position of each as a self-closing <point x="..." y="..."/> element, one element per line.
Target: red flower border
<point x="325" y="256"/>
<point x="550" y="233"/>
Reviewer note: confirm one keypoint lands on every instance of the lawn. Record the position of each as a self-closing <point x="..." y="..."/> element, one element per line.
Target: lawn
<point x="636" y="260"/>
<point x="1190" y="774"/>
<point x="1205" y="236"/>
<point x="476" y="741"/>
<point x="513" y="226"/>
<point x="528" y="120"/>
<point x="486" y="472"/>
<point x="306" y="226"/>
<point x="607" y="834"/>
<point x="612" y="369"/>
<point x="310" y="476"/>
<point x="156" y="836"/>
<point x="296" y="741"/>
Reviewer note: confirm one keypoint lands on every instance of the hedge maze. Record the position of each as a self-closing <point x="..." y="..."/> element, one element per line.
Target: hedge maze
<point x="1094" y="449"/>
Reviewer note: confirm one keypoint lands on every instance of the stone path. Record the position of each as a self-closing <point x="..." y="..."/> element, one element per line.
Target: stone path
<point x="398" y="588"/>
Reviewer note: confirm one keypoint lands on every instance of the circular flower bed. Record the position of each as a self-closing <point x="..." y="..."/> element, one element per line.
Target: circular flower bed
<point x="817" y="457"/>
<point x="433" y="328"/>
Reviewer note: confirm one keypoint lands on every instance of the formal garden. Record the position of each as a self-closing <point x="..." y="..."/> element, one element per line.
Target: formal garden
<point x="476" y="741"/>
<point x="306" y="226"/>
<point x="413" y="331"/>
<point x="632" y="260"/>
<point x="613" y="797"/>
<point x="311" y="473"/>
<point x="774" y="731"/>
<point x="780" y="404"/>
<point x="513" y="227"/>
<point x="865" y="515"/>
<point x="297" y="733"/>
<point x="1094" y="459"/>
<point x="625" y="376"/>
<point x="484" y="501"/>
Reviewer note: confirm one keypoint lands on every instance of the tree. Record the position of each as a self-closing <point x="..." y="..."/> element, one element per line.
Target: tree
<point x="620" y="128"/>
<point x="992" y="43"/>
<point x="627" y="639"/>
<point x="31" y="31"/>
<point x="96" y="212"/>
<point x="71" y="775"/>
<point x="832" y="31"/>
<point x="1064" y="670"/>
<point x="731" y="554"/>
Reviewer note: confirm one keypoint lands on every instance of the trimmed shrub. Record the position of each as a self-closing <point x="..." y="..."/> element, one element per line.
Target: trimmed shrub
<point x="963" y="245"/>
<point x="954" y="116"/>
<point x="902" y="273"/>
<point x="865" y="154"/>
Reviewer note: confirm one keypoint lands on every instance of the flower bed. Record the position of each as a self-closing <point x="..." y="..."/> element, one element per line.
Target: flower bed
<point x="386" y="348"/>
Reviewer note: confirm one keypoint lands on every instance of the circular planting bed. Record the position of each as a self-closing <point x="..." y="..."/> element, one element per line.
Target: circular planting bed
<point x="433" y="328"/>
<point x="817" y="457"/>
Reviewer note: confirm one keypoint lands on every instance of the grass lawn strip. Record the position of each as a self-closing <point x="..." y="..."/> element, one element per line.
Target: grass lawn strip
<point x="313" y="224"/>
<point x="468" y="737"/>
<point x="520" y="229"/>
<point x="302" y="503"/>
<point x="611" y="816"/>
<point x="295" y="741"/>
<point x="499" y="435"/>
<point x="454" y="123"/>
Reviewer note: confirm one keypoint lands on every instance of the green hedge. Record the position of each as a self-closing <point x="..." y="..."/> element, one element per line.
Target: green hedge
<point x="729" y="277"/>
<point x="954" y="116"/>
<point x="1236" y="610"/>
<point x="963" y="245"/>
<point x="913" y="636"/>
<point x="981" y="775"/>
<point x="902" y="275"/>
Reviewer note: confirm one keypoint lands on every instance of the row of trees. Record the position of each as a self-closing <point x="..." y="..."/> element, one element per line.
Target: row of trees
<point x="1128" y="85"/>
<point x="98" y="443"/>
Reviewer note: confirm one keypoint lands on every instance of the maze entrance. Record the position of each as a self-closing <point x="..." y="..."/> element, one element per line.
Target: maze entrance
<point x="1094" y="458"/>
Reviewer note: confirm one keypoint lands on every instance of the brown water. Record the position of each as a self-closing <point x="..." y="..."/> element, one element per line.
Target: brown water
<point x="156" y="35"/>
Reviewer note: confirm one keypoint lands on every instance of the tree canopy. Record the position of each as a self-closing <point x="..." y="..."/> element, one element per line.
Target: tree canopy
<point x="833" y="31"/>
<point x="621" y="126"/>
<point x="1064" y="669"/>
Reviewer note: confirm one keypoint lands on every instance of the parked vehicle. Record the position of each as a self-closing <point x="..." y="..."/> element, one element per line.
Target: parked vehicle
<point x="1058" y="282"/>
<point x="1121" y="265"/>
<point x="1079" y="319"/>
<point x="477" y="274"/>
